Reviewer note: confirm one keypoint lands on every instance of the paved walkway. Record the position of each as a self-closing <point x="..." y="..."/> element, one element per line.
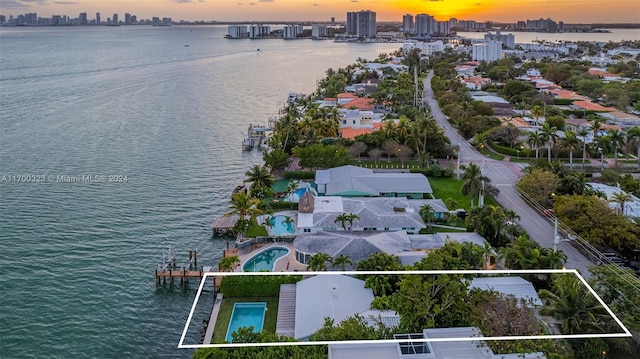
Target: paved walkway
<point x="285" y="324"/>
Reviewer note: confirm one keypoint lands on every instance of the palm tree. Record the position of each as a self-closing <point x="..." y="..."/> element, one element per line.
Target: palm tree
<point x="291" y="188"/>
<point x="341" y="261"/>
<point x="428" y="214"/>
<point x="227" y="264"/>
<point x="244" y="205"/>
<point x="550" y="136"/>
<point x="536" y="139"/>
<point x="473" y="181"/>
<point x="261" y="180"/>
<point x="572" y="304"/>
<point x="633" y="136"/>
<point x="621" y="198"/>
<point x="342" y="218"/>
<point x="318" y="262"/>
<point x="553" y="259"/>
<point x="537" y="112"/>
<point x="583" y="134"/>
<point x="617" y="140"/>
<point x="486" y="250"/>
<point x="352" y="217"/>
<point x="570" y="142"/>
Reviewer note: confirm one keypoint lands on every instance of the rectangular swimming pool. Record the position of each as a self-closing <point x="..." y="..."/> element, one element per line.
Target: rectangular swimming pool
<point x="246" y="314"/>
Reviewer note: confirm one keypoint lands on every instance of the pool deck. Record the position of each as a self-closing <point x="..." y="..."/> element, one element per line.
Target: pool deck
<point x="286" y="263"/>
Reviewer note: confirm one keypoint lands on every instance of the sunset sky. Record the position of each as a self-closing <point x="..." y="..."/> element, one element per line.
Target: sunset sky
<point x="569" y="11"/>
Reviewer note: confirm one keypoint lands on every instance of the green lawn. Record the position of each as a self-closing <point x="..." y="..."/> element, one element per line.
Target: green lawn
<point x="222" y="323"/>
<point x="444" y="188"/>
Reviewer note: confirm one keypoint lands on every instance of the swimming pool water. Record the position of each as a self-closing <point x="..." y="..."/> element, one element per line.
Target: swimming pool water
<point x="246" y="314"/>
<point x="281" y="227"/>
<point x="264" y="260"/>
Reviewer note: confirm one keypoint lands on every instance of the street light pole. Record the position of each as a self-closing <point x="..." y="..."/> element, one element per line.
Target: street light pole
<point x="556" y="238"/>
<point x="601" y="158"/>
<point x="458" y="162"/>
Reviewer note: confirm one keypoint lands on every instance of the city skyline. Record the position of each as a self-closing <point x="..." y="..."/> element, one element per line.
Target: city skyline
<point x="569" y="11"/>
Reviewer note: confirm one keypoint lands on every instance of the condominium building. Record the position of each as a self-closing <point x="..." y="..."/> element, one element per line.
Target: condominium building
<point x="425" y="25"/>
<point x="487" y="51"/>
<point x="407" y="23"/>
<point x="361" y="23"/>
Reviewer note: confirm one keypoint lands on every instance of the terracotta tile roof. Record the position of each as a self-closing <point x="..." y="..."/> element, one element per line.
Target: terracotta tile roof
<point x="346" y="95"/>
<point x="360" y="103"/>
<point x="588" y="105"/>
<point x="349" y="132"/>
<point x="515" y="121"/>
<point x="566" y="94"/>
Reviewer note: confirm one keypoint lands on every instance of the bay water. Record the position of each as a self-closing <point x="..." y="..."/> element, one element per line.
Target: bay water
<point x="117" y="143"/>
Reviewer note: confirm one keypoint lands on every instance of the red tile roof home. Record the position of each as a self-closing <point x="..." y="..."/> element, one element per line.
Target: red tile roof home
<point x="600" y="72"/>
<point x="346" y="95"/>
<point x="351" y="133"/>
<point x="515" y="121"/>
<point x="566" y="94"/>
<point x="360" y="103"/>
<point x="590" y="106"/>
<point x="608" y="127"/>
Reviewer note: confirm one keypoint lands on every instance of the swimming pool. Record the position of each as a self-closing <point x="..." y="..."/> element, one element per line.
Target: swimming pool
<point x="281" y="227"/>
<point x="246" y="314"/>
<point x="265" y="260"/>
<point x="300" y="191"/>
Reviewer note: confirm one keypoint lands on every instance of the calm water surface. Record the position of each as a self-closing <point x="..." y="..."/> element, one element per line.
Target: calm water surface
<point x="78" y="258"/>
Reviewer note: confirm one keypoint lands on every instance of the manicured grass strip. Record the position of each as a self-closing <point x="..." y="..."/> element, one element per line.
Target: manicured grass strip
<point x="224" y="316"/>
<point x="444" y="188"/>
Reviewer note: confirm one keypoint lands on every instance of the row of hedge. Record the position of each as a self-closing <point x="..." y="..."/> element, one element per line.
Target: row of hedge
<point x="255" y="286"/>
<point x="300" y="175"/>
<point x="434" y="171"/>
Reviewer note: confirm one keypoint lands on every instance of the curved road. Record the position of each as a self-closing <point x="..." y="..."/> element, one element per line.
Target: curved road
<point x="504" y="175"/>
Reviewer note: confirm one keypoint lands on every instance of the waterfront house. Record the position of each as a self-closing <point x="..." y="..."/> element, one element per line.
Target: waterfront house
<point x="332" y="296"/>
<point x="375" y="214"/>
<point x="353" y="181"/>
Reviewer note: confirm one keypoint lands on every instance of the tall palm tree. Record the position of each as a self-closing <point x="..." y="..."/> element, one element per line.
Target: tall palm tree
<point x="472" y="181"/>
<point x="350" y="218"/>
<point x="318" y="262"/>
<point x="261" y="180"/>
<point x="428" y="214"/>
<point x="537" y="112"/>
<point x="341" y="261"/>
<point x="572" y="304"/>
<point x="535" y="140"/>
<point x="633" y="136"/>
<point x="550" y="136"/>
<point x="342" y="218"/>
<point x="553" y="259"/>
<point x="617" y="139"/>
<point x="583" y="135"/>
<point x="570" y="142"/>
<point x="621" y="198"/>
<point x="244" y="205"/>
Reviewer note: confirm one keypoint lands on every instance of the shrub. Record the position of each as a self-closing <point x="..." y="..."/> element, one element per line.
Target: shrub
<point x="255" y="286"/>
<point x="299" y="175"/>
<point x="434" y="171"/>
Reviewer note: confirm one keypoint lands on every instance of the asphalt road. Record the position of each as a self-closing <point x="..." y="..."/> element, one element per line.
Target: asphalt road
<point x="504" y="175"/>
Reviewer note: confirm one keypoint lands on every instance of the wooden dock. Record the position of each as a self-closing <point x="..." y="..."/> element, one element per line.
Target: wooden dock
<point x="223" y="225"/>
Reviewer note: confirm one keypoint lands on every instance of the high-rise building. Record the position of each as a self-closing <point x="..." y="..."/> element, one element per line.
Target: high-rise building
<point x="98" y="18"/>
<point x="237" y="31"/>
<point x="407" y="23"/>
<point x="83" y="18"/>
<point x="362" y="23"/>
<point x="115" y="19"/>
<point x="319" y="31"/>
<point x="442" y="28"/>
<point x="487" y="51"/>
<point x="424" y="25"/>
<point x="127" y="19"/>
<point x="509" y="40"/>
<point x="292" y="31"/>
<point x="333" y="20"/>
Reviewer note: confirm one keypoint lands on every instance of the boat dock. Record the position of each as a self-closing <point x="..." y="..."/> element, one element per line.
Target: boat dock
<point x="257" y="135"/>
<point x="170" y="270"/>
